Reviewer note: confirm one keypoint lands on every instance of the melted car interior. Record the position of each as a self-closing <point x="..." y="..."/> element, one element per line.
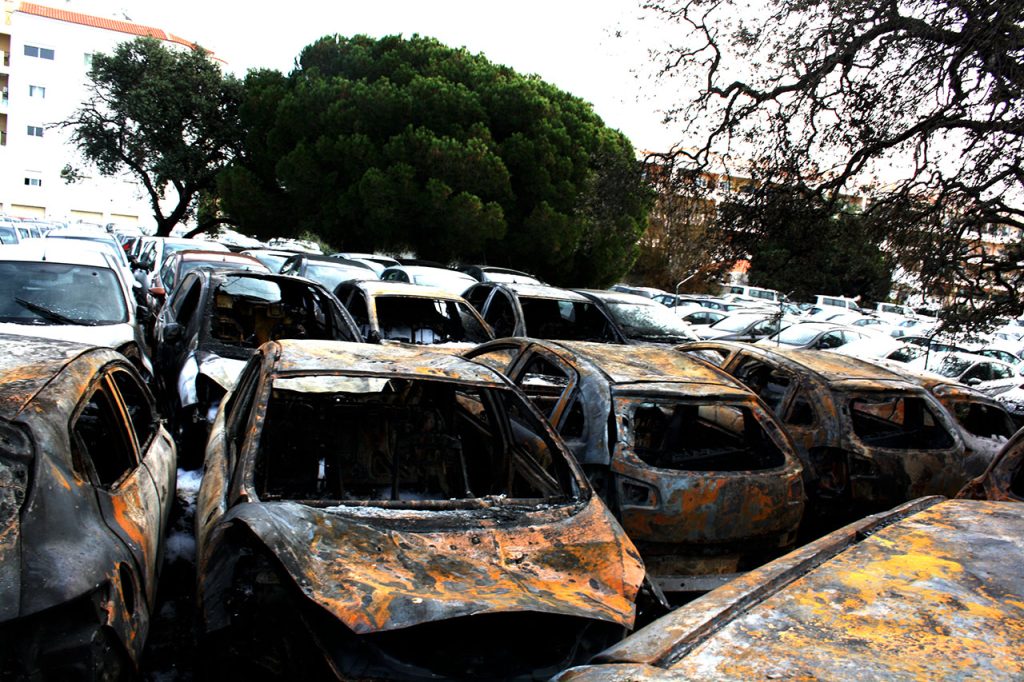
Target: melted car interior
<point x="897" y="422"/>
<point x="403" y="442"/>
<point x="687" y="436"/>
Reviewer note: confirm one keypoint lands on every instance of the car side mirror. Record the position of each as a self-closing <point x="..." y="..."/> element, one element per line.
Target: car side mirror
<point x="973" y="381"/>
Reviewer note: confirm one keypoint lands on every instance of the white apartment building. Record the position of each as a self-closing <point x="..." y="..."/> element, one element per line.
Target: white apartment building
<point x="45" y="55"/>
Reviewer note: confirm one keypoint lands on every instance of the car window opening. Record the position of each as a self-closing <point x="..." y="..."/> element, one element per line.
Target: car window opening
<point x="399" y="442"/>
<point x="898" y="422"/>
<point x="708" y="437"/>
<point x="427" y="321"/>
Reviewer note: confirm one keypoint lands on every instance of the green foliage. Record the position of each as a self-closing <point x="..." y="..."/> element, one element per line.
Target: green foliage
<point x="406" y="144"/>
<point x="167" y="116"/>
<point x="802" y="246"/>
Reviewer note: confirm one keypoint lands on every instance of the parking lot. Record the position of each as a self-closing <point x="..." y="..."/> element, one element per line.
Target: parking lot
<point x="287" y="464"/>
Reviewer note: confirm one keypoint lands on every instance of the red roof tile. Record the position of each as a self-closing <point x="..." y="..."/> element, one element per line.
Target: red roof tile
<point x="95" y="22"/>
<point x="108" y="24"/>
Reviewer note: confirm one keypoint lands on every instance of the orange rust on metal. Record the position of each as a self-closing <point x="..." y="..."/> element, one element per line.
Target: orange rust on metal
<point x="931" y="590"/>
<point x="687" y="516"/>
<point x="387" y="564"/>
<point x="375" y="579"/>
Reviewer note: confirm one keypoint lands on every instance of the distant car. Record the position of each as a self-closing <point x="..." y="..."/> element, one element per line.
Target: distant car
<point x="868" y="438"/>
<point x="640" y="319"/>
<point x="272" y="258"/>
<point x="491" y="273"/>
<point x="327" y="270"/>
<point x="770" y="296"/>
<point x="697" y="315"/>
<point x="931" y="590"/>
<point x="813" y="336"/>
<point x="213" y="323"/>
<point x="150" y="253"/>
<point x="58" y="290"/>
<point x="542" y="311"/>
<point x="984" y="373"/>
<point x="646" y="292"/>
<point x="743" y="326"/>
<point x="452" y="281"/>
<point x="656" y="432"/>
<point x="395" y="311"/>
<point x="879" y="348"/>
<point x="375" y="261"/>
<point x="87" y="480"/>
<point x="388" y="512"/>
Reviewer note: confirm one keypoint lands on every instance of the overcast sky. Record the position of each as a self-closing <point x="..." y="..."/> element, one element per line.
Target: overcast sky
<point x="595" y="49"/>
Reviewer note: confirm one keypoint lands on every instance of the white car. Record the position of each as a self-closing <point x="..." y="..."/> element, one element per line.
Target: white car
<point x="984" y="373"/>
<point x="452" y="281"/>
<point x="58" y="290"/>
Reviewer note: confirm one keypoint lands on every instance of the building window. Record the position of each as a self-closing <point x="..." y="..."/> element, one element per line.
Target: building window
<point x="36" y="91"/>
<point x="88" y="59"/>
<point x="35" y="131"/>
<point x="41" y="52"/>
<point x="34" y="182"/>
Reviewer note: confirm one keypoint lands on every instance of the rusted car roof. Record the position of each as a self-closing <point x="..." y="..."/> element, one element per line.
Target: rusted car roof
<point x="327" y="356"/>
<point x="930" y="590"/>
<point x="830" y="367"/>
<point x="625" y="364"/>
<point x="379" y="287"/>
<point x="26" y="365"/>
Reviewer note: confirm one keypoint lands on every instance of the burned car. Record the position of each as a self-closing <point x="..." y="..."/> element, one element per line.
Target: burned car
<point x="387" y="512"/>
<point x="931" y="590"/>
<point x="542" y="312"/>
<point x="210" y="326"/>
<point x="397" y="311"/>
<point x="87" y="479"/>
<point x="701" y="475"/>
<point x="868" y="439"/>
<point x="1004" y="479"/>
<point x="984" y="424"/>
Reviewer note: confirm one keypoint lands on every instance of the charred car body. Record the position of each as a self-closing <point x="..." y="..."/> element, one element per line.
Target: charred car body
<point x="984" y="424"/>
<point x="931" y="590"/>
<point x="388" y="512"/>
<point x="868" y="439"/>
<point x="410" y="313"/>
<point x="214" y="321"/>
<point x="541" y="311"/>
<point x="1004" y="479"/>
<point x="701" y="475"/>
<point x="86" y="484"/>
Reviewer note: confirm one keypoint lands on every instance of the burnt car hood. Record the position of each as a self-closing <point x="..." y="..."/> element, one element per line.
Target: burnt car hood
<point x="377" y="569"/>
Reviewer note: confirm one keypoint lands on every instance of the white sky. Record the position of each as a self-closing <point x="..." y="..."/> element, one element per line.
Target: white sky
<point x="570" y="43"/>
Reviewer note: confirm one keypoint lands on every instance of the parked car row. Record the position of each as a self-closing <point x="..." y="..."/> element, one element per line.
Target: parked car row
<point x="400" y="482"/>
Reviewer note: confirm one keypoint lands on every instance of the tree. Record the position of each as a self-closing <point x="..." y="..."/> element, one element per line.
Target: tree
<point x="406" y="144"/>
<point x="916" y="104"/>
<point x="169" y="117"/>
<point x="803" y="246"/>
<point x="684" y="242"/>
